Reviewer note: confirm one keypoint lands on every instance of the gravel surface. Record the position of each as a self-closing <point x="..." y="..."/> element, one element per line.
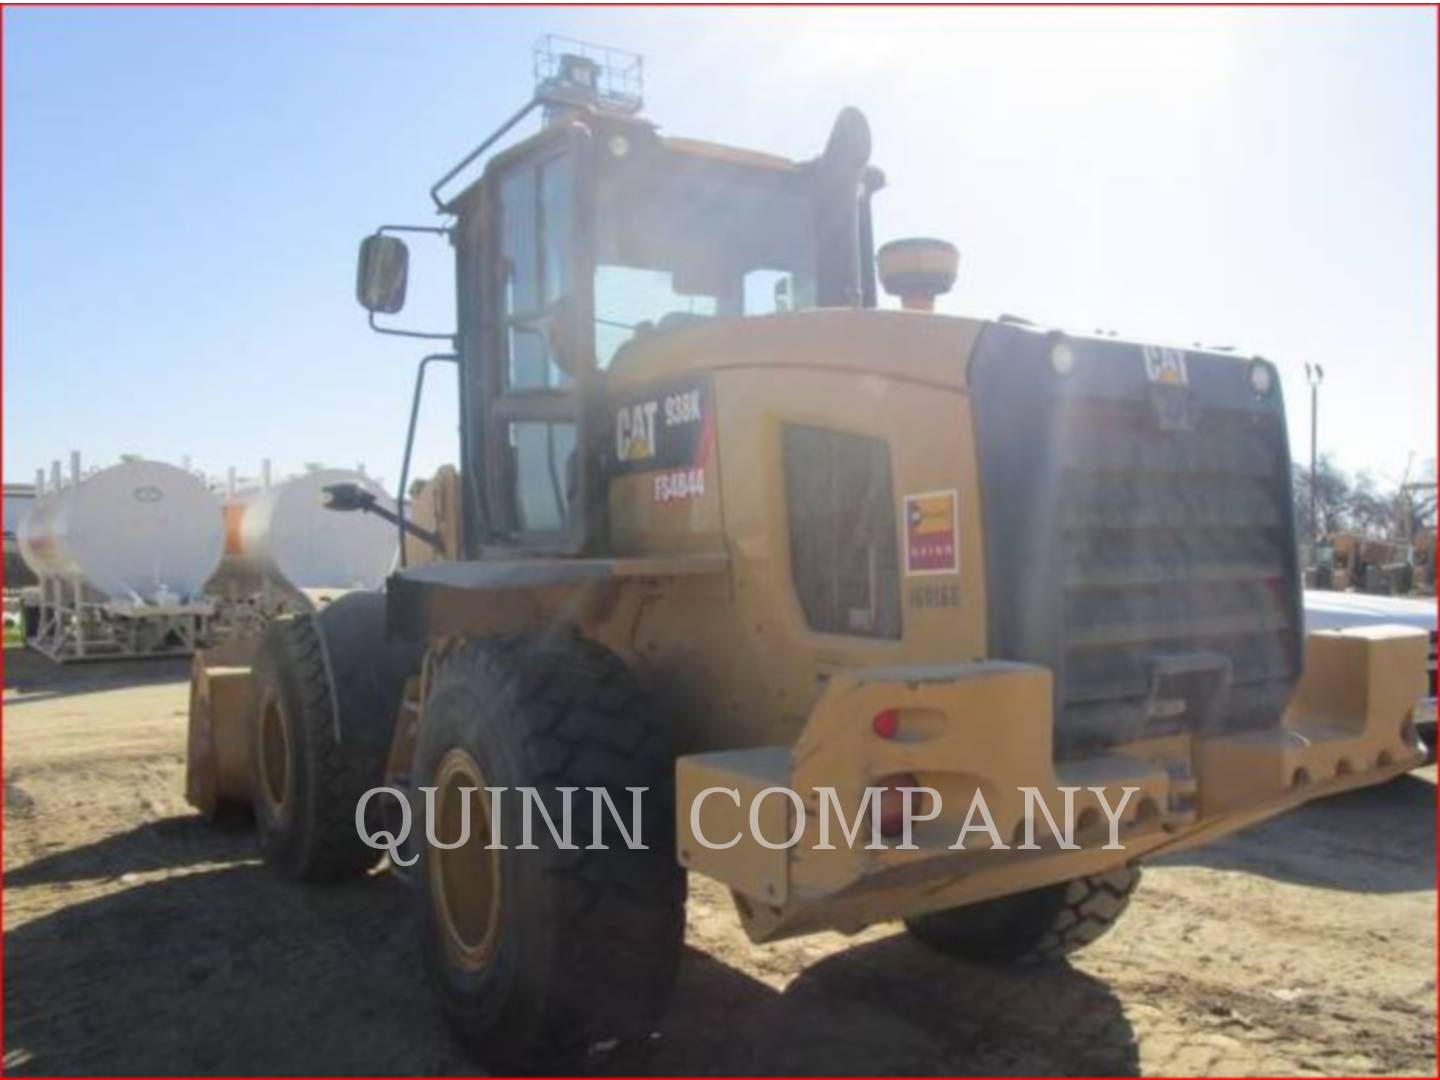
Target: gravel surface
<point x="140" y="940"/>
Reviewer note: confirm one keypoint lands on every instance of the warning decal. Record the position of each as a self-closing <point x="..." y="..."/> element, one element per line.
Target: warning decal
<point x="932" y="533"/>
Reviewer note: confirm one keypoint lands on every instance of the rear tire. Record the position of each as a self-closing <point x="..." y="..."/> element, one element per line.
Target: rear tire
<point x="540" y="955"/>
<point x="307" y="777"/>
<point x="1039" y="926"/>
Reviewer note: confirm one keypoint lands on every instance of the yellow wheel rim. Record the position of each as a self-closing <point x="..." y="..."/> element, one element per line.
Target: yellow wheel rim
<point x="274" y="755"/>
<point x="464" y="881"/>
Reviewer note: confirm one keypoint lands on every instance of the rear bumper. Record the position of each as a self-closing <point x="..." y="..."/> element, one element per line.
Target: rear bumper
<point x="987" y="728"/>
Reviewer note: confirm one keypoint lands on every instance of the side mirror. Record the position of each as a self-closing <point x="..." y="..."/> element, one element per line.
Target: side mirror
<point x="382" y="273"/>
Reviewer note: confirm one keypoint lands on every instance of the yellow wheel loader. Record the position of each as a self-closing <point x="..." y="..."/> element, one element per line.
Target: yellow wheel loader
<point x="733" y="547"/>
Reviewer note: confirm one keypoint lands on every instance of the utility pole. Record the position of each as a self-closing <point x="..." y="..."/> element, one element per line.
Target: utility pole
<point x="1403" y="504"/>
<point x="1314" y="375"/>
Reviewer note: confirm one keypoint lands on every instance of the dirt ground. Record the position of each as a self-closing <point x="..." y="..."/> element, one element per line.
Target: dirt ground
<point x="138" y="940"/>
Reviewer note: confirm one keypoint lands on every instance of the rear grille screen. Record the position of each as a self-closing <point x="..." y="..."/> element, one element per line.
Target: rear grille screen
<point x="1151" y="566"/>
<point x="842" y="531"/>
<point x="1172" y="543"/>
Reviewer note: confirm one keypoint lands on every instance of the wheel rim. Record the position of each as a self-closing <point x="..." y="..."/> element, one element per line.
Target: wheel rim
<point x="274" y="755"/>
<point x="464" y="881"/>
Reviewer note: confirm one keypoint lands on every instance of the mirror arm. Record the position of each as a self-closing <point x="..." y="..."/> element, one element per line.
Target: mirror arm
<point x="347" y="498"/>
<point x="434" y="230"/>
<point x="427" y="335"/>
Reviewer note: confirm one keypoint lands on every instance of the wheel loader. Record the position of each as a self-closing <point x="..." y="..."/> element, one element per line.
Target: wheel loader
<point x="724" y="525"/>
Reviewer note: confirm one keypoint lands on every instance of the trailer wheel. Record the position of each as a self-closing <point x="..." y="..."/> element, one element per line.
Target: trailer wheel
<point x="308" y="772"/>
<point x="1039" y="926"/>
<point x="540" y="955"/>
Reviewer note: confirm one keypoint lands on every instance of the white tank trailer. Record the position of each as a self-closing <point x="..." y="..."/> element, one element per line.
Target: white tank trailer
<point x="122" y="557"/>
<point x="284" y="551"/>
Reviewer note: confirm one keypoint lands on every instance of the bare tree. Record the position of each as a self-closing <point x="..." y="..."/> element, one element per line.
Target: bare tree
<point x="1370" y="510"/>
<point x="1415" y="504"/>
<point x="1364" y="504"/>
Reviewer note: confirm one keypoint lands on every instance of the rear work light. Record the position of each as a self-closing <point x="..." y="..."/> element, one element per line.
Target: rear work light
<point x="1062" y="357"/>
<point x="1262" y="377"/>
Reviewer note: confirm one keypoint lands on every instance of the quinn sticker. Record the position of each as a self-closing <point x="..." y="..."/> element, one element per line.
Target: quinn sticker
<point x="932" y="533"/>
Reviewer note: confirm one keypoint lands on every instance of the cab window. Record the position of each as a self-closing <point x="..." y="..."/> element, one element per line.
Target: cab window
<point x="542" y="462"/>
<point x="536" y="267"/>
<point x="680" y="239"/>
<point x="629" y="297"/>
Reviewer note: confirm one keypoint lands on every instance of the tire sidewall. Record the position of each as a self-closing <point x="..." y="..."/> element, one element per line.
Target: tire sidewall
<point x="587" y="941"/>
<point x="338" y="684"/>
<point x="458" y="716"/>
<point x="283" y="835"/>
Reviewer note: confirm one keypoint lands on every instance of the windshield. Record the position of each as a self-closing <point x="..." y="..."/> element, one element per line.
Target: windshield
<point x="677" y="237"/>
<point x="688" y="239"/>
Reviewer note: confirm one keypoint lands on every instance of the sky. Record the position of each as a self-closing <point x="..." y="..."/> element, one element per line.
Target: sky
<point x="184" y="191"/>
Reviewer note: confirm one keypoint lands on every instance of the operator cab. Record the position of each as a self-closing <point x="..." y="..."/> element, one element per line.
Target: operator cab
<point x="592" y="234"/>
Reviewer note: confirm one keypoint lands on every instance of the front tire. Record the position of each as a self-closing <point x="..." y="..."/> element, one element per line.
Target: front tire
<point x="538" y="955"/>
<point x="308" y="769"/>
<point x="1039" y="926"/>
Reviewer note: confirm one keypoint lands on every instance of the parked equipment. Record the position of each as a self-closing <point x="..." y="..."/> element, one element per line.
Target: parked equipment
<point x="282" y="547"/>
<point x="720" y="524"/>
<point x="122" y="557"/>
<point x="18" y="498"/>
<point x="1350" y="561"/>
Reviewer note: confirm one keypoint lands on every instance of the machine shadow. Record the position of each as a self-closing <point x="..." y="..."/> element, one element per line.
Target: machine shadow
<point x="38" y="677"/>
<point x="1392" y="824"/>
<point x="891" y="1007"/>
<point x="233" y="971"/>
<point x="230" y="971"/>
<point x="167" y="844"/>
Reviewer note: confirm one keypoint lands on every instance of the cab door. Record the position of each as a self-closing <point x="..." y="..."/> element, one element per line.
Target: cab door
<point x="531" y="349"/>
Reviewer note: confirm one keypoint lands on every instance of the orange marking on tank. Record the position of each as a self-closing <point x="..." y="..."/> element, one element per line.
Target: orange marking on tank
<point x="234" y="519"/>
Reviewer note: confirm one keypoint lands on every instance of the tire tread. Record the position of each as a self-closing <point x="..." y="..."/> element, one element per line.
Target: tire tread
<point x="619" y="915"/>
<point x="322" y="843"/>
<point x="1039" y="926"/>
